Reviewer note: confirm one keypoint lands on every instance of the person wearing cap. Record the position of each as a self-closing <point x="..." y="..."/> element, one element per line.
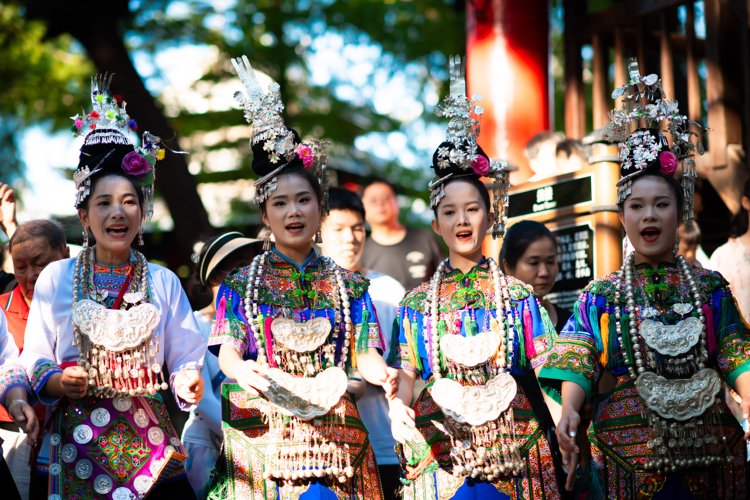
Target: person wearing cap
<point x="202" y="435"/>
<point x="667" y="333"/>
<point x="289" y="327"/>
<point x="103" y="324"/>
<point x="475" y="335"/>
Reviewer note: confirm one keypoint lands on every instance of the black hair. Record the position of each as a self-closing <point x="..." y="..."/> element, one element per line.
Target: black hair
<point x="377" y="180"/>
<point x="306" y="174"/>
<point x="690" y="233"/>
<point x="343" y="199"/>
<point x="518" y="239"/>
<point x="40" y="228"/>
<point x="673" y="184"/>
<point x="103" y="152"/>
<point x="474" y="181"/>
<point x="741" y="221"/>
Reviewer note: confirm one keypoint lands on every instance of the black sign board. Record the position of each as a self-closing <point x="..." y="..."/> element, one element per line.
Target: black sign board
<point x="575" y="256"/>
<point x="551" y="197"/>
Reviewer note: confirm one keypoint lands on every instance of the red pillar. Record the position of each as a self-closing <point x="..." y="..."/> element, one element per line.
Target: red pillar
<point x="508" y="65"/>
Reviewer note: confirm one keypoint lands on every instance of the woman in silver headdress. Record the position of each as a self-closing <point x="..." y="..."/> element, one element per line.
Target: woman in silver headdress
<point x="102" y="326"/>
<point x="668" y="334"/>
<point x="288" y="328"/>
<point x="475" y="335"/>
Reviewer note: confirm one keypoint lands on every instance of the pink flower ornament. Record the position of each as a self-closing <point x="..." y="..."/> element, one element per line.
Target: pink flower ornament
<point x="481" y="165"/>
<point x="668" y="162"/>
<point x="305" y="153"/>
<point x="135" y="164"/>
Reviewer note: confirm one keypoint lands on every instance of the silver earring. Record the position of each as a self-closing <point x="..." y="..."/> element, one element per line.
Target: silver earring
<point x="140" y="237"/>
<point x="267" y="240"/>
<point x="318" y="239"/>
<point x="85" y="234"/>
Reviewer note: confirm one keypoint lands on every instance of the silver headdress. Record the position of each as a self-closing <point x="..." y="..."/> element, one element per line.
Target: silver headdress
<point x="107" y="144"/>
<point x="274" y="145"/>
<point x="652" y="134"/>
<point x="459" y="155"/>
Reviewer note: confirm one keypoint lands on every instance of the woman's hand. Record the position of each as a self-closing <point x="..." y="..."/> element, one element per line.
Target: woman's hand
<point x="74" y="382"/>
<point x="402" y="420"/>
<point x="22" y="413"/>
<point x="566" y="432"/>
<point x="251" y="376"/>
<point x="390" y="382"/>
<point x="188" y="386"/>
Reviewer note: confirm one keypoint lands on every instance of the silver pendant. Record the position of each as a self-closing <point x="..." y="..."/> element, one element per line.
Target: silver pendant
<point x="99" y="295"/>
<point x="650" y="312"/>
<point x="133" y="297"/>
<point x="682" y="308"/>
<point x="140" y="417"/>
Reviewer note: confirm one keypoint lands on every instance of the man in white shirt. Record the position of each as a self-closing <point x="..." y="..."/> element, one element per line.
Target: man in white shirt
<point x="343" y="232"/>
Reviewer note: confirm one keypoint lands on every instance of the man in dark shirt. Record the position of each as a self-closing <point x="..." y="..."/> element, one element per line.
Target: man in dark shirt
<point x="409" y="255"/>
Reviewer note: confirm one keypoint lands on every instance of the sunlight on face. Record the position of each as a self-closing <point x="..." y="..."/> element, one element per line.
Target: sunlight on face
<point x="293" y="214"/>
<point x="650" y="218"/>
<point x="462" y="220"/>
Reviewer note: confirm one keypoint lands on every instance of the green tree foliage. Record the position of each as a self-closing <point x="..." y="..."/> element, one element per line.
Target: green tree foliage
<point x="42" y="80"/>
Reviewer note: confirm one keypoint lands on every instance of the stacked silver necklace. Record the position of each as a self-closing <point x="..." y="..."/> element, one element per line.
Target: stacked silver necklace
<point x="682" y="407"/>
<point x="299" y="451"/>
<point x="479" y="451"/>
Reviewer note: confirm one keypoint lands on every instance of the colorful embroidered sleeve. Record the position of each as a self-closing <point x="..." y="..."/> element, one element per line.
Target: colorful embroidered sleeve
<point x="411" y="354"/>
<point x="728" y="339"/>
<point x="536" y="335"/>
<point x="365" y="322"/>
<point x="575" y="353"/>
<point x="12" y="373"/>
<point x="230" y="326"/>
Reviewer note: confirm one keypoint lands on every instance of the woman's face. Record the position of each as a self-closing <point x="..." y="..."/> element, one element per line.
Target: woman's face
<point x="649" y="216"/>
<point x="462" y="220"/>
<point x="293" y="214"/>
<point x="537" y="266"/>
<point x="113" y="214"/>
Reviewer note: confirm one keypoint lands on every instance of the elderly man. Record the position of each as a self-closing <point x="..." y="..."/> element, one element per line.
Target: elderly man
<point x="34" y="244"/>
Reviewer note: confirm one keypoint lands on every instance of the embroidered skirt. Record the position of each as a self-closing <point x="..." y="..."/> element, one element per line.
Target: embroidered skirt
<point x="240" y="472"/>
<point x="117" y="448"/>
<point x="619" y="439"/>
<point x="428" y="468"/>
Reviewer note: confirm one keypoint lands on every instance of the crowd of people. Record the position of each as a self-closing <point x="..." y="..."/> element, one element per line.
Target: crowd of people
<point x="333" y="364"/>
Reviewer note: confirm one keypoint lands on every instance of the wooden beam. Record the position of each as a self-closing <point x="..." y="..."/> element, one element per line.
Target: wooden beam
<point x="600" y="88"/>
<point x="666" y="63"/>
<point x="691" y="59"/>
<point x="620" y="58"/>
<point x="575" y="100"/>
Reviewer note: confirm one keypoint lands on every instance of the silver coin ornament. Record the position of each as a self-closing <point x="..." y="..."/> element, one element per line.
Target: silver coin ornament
<point x="122" y="403"/>
<point x="69" y="453"/>
<point x="54" y="439"/>
<point x="156" y="436"/>
<point x="103" y="484"/>
<point x="140" y="417"/>
<point x="84" y="469"/>
<point x="82" y="434"/>
<point x="122" y="493"/>
<point x="143" y="484"/>
<point x="100" y="417"/>
<point x="55" y="469"/>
